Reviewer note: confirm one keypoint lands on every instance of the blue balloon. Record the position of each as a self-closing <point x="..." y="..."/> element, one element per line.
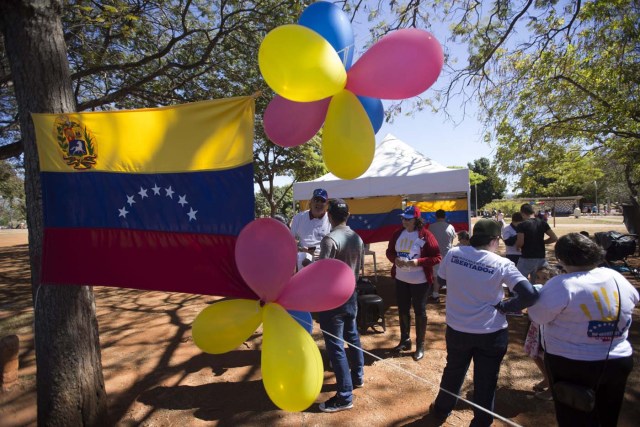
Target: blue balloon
<point x="375" y="111"/>
<point x="303" y="318"/>
<point x="332" y="23"/>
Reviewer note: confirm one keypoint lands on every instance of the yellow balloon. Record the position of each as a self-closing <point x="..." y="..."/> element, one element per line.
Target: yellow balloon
<point x="348" y="140"/>
<point x="300" y="65"/>
<point x="226" y="324"/>
<point x="292" y="371"/>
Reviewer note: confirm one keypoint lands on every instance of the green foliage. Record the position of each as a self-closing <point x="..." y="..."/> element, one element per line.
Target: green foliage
<point x="492" y="187"/>
<point x="285" y="206"/>
<point x="508" y="208"/>
<point x="12" y="197"/>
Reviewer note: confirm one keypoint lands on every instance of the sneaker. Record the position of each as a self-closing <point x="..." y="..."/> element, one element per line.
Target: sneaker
<point x="432" y="299"/>
<point x="544" y="395"/>
<point x="335" y="405"/>
<point x="514" y="313"/>
<point x="358" y="384"/>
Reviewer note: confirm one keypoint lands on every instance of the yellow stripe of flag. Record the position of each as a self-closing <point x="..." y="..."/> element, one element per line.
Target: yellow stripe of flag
<point x="446" y="205"/>
<point x="208" y="135"/>
<point x="372" y="205"/>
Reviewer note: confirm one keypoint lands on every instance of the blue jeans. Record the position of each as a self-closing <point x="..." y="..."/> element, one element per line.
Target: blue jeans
<point x="348" y="366"/>
<point x="529" y="266"/>
<point x="487" y="352"/>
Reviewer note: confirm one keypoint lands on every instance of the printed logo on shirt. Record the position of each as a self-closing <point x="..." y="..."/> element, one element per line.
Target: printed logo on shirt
<point x="478" y="266"/>
<point x="605" y="327"/>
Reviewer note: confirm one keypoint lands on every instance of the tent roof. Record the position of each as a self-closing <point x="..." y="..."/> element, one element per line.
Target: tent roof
<point x="396" y="169"/>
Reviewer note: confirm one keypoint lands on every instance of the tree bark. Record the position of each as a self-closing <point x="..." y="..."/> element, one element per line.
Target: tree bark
<point x="69" y="371"/>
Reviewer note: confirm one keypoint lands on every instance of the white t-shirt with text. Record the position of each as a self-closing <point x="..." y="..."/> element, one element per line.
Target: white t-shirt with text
<point x="474" y="286"/>
<point x="409" y="246"/>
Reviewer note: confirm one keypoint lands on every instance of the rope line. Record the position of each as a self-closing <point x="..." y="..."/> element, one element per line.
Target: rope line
<point x="387" y="362"/>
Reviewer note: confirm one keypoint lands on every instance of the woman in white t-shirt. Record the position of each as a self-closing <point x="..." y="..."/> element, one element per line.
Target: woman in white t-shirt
<point x="577" y="312"/>
<point x="413" y="250"/>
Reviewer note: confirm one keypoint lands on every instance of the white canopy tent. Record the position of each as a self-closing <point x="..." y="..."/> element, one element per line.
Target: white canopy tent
<point x="397" y="169"/>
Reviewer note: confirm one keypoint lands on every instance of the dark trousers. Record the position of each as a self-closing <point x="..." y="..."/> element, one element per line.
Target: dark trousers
<point x="513" y="258"/>
<point x="487" y="352"/>
<point x="608" y="396"/>
<point x="415" y="295"/>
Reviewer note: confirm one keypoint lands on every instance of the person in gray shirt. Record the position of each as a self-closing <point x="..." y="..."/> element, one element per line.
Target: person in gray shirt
<point x="444" y="233"/>
<point x="339" y="324"/>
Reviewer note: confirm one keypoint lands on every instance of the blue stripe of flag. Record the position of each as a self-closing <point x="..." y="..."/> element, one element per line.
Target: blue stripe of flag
<point x="212" y="202"/>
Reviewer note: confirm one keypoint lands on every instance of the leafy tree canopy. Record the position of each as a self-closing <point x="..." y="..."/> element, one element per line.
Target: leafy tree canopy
<point x="491" y="187"/>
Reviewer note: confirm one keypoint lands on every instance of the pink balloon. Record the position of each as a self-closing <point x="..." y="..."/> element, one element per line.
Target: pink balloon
<point x="321" y="286"/>
<point x="290" y="123"/>
<point x="400" y="65"/>
<point x="266" y="257"/>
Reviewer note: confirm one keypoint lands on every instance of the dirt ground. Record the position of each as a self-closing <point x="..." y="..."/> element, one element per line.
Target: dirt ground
<point x="156" y="376"/>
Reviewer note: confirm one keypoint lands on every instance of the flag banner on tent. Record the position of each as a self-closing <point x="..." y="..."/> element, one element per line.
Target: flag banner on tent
<point x="147" y="199"/>
<point x="457" y="212"/>
<point x="375" y="219"/>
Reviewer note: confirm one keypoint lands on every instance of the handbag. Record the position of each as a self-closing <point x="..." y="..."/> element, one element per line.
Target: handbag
<point x="578" y="396"/>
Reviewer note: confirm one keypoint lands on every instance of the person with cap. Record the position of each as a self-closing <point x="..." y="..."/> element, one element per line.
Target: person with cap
<point x="475" y="317"/>
<point x="413" y="250"/>
<point x="339" y="325"/>
<point x="310" y="226"/>
<point x="444" y="233"/>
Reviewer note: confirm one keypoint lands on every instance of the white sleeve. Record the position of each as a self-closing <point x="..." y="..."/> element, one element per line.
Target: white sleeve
<point x="554" y="297"/>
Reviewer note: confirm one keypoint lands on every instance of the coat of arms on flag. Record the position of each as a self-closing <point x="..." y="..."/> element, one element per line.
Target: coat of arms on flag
<point x="161" y="203"/>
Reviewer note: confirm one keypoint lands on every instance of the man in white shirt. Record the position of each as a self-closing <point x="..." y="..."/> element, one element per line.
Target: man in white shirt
<point x="444" y="233"/>
<point x="476" y="323"/>
<point x="310" y="226"/>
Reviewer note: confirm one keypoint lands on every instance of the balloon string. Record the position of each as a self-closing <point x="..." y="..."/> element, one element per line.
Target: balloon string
<point x="411" y="374"/>
<point x="346" y="50"/>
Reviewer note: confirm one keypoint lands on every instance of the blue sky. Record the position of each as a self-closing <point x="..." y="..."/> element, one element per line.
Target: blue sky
<point x="440" y="139"/>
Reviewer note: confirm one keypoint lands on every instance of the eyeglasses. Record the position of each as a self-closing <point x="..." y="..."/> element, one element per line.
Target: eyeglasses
<point x="406" y="219"/>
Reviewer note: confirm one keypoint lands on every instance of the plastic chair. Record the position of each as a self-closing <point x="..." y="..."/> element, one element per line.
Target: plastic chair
<point x="368" y="251"/>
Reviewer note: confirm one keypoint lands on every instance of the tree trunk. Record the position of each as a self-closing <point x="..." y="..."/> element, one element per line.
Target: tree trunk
<point x="69" y="371"/>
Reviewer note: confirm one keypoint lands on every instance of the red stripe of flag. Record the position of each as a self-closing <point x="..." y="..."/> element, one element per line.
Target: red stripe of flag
<point x="148" y="260"/>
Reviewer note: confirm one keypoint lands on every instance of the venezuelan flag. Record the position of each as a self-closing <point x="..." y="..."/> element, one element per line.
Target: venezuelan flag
<point x="457" y="212"/>
<point x="148" y="199"/>
<point x="376" y="218"/>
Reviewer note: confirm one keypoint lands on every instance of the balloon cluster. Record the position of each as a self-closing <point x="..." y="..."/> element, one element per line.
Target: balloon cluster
<point x="308" y="65"/>
<point x="265" y="253"/>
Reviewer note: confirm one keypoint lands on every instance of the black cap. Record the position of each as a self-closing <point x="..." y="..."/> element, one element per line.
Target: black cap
<point x="338" y="208"/>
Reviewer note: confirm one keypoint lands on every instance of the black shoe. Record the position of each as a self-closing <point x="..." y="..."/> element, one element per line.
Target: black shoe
<point x="335" y="404"/>
<point x="433" y="411"/>
<point x="434" y="300"/>
<point x="405" y="345"/>
<point x="358" y="385"/>
<point x="419" y="354"/>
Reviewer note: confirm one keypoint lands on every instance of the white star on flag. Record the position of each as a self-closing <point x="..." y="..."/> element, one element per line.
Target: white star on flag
<point x="156" y="190"/>
<point x="192" y="214"/>
<point x="183" y="200"/>
<point x="130" y="200"/>
<point x="169" y="192"/>
<point x="143" y="193"/>
<point x="123" y="212"/>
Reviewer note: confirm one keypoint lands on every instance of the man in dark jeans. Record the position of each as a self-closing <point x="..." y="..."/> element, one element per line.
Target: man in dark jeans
<point x="340" y="323"/>
<point x="476" y="324"/>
